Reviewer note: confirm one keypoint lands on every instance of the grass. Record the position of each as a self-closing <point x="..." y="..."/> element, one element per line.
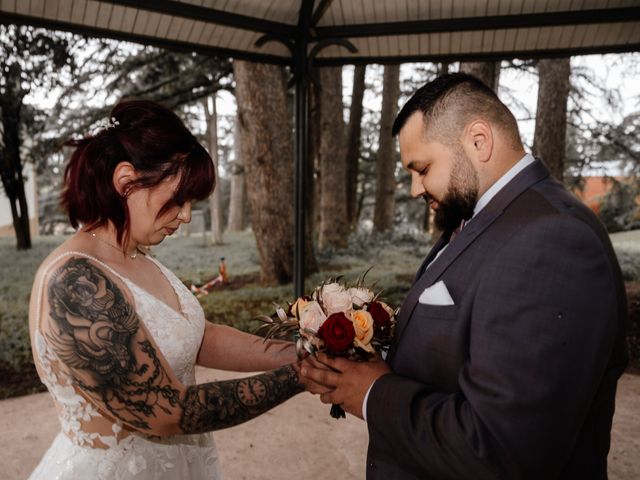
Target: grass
<point x="245" y="297"/>
<point x="394" y="260"/>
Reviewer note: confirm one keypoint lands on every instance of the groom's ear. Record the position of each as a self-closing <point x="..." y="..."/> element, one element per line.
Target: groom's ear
<point x="477" y="141"/>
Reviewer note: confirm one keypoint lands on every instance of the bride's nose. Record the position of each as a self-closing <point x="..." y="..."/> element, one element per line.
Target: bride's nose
<point x="184" y="215"/>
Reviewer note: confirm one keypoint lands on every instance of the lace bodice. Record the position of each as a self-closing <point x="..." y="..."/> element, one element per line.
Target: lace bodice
<point x="177" y="335"/>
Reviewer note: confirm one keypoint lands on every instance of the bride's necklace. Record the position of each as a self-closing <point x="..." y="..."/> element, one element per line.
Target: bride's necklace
<point x="132" y="256"/>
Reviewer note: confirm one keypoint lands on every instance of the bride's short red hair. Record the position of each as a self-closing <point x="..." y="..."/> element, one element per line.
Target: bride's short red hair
<point x="156" y="142"/>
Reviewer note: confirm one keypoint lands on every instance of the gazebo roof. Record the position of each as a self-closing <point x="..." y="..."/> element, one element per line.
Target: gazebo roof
<point x="302" y="33"/>
<point x="381" y="31"/>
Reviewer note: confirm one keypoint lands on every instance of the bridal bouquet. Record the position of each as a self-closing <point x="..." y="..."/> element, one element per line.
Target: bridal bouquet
<point x="338" y="319"/>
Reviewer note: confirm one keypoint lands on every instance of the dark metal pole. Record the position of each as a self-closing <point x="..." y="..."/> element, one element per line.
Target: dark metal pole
<point x="301" y="76"/>
<point x="300" y="180"/>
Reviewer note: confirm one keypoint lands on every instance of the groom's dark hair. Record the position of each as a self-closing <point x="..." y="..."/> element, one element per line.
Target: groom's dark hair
<point x="450" y="101"/>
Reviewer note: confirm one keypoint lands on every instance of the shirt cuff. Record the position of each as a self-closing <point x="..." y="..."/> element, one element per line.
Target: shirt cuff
<point x="364" y="402"/>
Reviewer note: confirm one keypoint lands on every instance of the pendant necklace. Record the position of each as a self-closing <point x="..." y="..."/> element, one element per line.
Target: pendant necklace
<point x="132" y="256"/>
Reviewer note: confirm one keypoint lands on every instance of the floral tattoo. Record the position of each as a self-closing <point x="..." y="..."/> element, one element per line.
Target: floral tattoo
<point x="98" y="337"/>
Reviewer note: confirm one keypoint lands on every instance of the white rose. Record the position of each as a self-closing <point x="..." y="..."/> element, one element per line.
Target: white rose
<point x="311" y="316"/>
<point x="336" y="299"/>
<point x="360" y="296"/>
<point x="328" y="288"/>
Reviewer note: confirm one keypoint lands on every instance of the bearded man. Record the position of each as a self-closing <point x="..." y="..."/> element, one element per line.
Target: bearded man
<point x="510" y="342"/>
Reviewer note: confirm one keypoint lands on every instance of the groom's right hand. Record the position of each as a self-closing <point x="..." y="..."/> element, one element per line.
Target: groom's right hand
<point x="310" y="385"/>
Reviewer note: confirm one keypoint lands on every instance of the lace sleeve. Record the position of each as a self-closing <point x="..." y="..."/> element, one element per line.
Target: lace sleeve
<point x="112" y="359"/>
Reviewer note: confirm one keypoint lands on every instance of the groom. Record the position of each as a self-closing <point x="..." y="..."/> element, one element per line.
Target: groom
<point x="510" y="342"/>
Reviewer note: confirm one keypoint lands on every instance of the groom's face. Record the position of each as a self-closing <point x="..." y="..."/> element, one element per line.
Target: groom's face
<point x="442" y="174"/>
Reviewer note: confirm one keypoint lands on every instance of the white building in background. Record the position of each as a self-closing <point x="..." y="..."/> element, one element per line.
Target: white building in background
<point x="31" y="191"/>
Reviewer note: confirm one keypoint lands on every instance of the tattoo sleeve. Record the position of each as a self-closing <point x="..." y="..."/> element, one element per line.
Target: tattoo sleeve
<point x="98" y="335"/>
<point x="218" y="405"/>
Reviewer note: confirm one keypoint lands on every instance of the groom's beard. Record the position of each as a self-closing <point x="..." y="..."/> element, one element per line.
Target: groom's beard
<point x="462" y="195"/>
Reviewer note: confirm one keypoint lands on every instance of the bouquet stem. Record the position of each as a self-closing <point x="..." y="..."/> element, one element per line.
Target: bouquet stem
<point x="337" y="411"/>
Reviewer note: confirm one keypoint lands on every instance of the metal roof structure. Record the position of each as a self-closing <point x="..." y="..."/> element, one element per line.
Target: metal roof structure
<point x="381" y="31"/>
<point x="306" y="33"/>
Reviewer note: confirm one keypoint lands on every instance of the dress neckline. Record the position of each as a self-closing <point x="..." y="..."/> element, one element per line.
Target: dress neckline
<point x="162" y="302"/>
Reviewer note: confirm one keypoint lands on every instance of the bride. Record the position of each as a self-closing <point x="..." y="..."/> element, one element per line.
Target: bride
<point x="115" y="335"/>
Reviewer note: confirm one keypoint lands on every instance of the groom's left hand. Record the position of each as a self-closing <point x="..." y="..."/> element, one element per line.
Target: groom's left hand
<point x="351" y="380"/>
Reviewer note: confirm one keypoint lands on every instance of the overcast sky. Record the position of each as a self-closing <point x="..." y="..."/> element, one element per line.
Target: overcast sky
<point x="612" y="71"/>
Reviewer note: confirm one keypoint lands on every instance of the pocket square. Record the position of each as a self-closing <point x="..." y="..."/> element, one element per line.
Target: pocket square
<point x="436" y="294"/>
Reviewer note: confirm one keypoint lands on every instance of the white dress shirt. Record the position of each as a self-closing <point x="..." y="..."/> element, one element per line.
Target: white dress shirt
<point x="482" y="202"/>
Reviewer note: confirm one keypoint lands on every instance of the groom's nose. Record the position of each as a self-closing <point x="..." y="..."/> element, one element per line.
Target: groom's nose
<point x="417" y="188"/>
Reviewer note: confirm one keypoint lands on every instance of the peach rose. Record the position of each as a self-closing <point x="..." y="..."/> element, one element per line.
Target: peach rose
<point x="363" y="325"/>
<point x="297" y="306"/>
<point x="360" y="296"/>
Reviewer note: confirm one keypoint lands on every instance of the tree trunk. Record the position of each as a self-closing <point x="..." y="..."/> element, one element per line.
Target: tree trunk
<point x="353" y="143"/>
<point x="314" y="174"/>
<point x="10" y="162"/>
<point x="215" y="203"/>
<point x="386" y="160"/>
<point x="488" y="72"/>
<point x="549" y="141"/>
<point x="237" y="193"/>
<point x="334" y="225"/>
<point x="267" y="150"/>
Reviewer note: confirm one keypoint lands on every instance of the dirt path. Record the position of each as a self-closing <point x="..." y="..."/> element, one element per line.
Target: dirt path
<point x="297" y="439"/>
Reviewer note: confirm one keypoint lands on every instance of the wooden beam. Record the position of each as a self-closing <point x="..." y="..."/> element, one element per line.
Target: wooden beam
<point x="496" y="22"/>
<point x="176" y="45"/>
<point x="210" y="15"/>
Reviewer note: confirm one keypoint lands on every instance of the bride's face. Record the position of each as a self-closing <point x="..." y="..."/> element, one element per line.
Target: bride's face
<point x="148" y="226"/>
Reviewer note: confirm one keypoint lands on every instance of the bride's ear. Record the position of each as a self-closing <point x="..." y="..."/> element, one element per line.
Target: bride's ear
<point x="123" y="175"/>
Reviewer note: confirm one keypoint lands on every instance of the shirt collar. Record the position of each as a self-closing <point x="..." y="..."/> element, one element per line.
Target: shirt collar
<point x="483" y="201"/>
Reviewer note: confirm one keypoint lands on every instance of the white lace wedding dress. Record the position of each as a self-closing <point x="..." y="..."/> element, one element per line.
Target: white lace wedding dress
<point x="90" y="445"/>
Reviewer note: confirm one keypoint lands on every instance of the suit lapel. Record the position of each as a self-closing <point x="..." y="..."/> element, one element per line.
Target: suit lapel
<point x="439" y="245"/>
<point x="521" y="182"/>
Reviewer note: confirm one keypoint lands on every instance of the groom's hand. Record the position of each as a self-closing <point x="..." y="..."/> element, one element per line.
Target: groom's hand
<point x="311" y="386"/>
<point x="350" y="380"/>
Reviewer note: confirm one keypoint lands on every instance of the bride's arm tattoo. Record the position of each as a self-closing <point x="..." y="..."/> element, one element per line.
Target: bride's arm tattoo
<point x="224" y="404"/>
<point x="97" y="334"/>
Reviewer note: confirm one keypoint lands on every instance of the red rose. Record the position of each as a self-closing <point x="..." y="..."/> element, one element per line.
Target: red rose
<point x="380" y="315"/>
<point x="337" y="332"/>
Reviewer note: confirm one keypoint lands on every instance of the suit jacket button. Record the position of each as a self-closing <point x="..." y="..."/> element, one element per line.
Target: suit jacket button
<point x="372" y="465"/>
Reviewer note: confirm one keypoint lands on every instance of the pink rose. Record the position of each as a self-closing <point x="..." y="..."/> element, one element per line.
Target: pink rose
<point x="335" y="299"/>
<point x="311" y="316"/>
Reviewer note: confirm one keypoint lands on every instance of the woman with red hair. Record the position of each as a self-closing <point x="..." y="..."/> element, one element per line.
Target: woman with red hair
<point x="116" y="336"/>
